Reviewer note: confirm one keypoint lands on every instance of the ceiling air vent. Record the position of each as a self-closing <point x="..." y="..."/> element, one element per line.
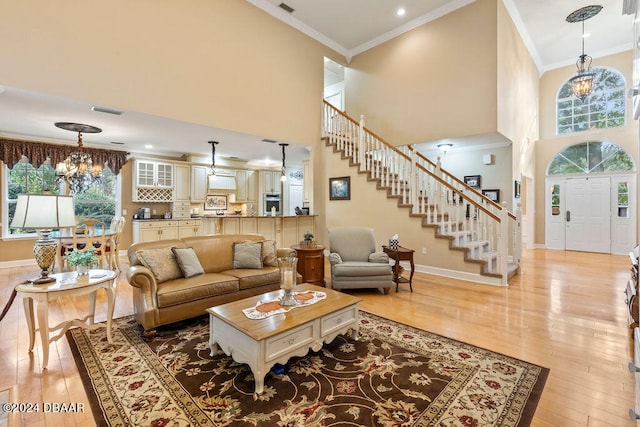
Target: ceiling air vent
<point x="286" y="7"/>
<point x="106" y="110"/>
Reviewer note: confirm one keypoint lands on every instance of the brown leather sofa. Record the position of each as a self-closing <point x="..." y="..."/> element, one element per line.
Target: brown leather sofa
<point x="157" y="304"/>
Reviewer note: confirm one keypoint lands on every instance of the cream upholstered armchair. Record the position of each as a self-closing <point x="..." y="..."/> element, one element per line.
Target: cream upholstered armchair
<point x="355" y="262"/>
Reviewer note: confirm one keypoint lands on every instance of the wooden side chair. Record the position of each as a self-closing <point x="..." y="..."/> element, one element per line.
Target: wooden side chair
<point x="113" y="242"/>
<point x="88" y="234"/>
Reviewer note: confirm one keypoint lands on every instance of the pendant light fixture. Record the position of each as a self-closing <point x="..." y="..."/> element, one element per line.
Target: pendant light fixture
<point x="217" y="181"/>
<point x="283" y="173"/>
<point x="583" y="82"/>
<point x="213" y="157"/>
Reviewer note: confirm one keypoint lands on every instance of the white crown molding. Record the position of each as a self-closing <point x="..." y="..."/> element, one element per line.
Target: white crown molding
<point x="524" y="34"/>
<point x="414" y="23"/>
<point x="595" y="55"/>
<point x="288" y="19"/>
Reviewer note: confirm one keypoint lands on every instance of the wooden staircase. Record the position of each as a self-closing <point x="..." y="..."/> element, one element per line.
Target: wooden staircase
<point x="486" y="232"/>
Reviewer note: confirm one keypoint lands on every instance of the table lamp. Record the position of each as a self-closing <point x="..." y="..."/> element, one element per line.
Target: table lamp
<point x="44" y="212"/>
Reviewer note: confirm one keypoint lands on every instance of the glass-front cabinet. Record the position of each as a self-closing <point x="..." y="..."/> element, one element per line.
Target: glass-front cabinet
<point x="153" y="181"/>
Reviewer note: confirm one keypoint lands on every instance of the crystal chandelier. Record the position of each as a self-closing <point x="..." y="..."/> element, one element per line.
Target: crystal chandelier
<point x="78" y="170"/>
<point x="583" y="82"/>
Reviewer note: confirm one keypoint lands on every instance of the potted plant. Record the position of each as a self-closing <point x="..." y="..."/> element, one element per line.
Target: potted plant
<point x="308" y="239"/>
<point x="83" y="260"/>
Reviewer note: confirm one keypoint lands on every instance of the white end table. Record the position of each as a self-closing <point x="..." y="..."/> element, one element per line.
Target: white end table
<point x="66" y="284"/>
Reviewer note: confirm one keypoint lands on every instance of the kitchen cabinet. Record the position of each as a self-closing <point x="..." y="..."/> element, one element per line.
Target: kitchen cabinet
<point x="269" y="181"/>
<point x="246" y="186"/>
<point x="153" y="174"/>
<point x="199" y="175"/>
<point x="189" y="228"/>
<point x="183" y="182"/>
<point x="267" y="227"/>
<point x="248" y="225"/>
<point x="149" y="231"/>
<point x="153" y="181"/>
<point x="231" y="225"/>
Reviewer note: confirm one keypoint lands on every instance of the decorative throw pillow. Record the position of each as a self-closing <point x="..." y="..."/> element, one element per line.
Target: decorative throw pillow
<point x="247" y="254"/>
<point x="188" y="261"/>
<point x="161" y="262"/>
<point x="269" y="257"/>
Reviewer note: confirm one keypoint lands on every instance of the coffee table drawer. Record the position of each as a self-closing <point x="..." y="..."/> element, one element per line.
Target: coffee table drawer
<point x="338" y="320"/>
<point x="288" y="341"/>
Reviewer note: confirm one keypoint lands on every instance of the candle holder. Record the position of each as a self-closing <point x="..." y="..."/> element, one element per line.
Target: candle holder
<point x="288" y="273"/>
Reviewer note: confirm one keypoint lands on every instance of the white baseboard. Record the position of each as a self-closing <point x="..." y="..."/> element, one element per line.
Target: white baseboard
<point x="453" y="274"/>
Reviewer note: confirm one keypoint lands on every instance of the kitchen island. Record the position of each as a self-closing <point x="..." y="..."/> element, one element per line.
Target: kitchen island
<point x="285" y="230"/>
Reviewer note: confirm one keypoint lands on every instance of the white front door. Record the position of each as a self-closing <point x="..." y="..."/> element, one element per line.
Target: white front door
<point x="588" y="214"/>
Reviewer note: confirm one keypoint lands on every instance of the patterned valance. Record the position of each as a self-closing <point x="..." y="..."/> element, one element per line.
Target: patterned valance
<point x="11" y="151"/>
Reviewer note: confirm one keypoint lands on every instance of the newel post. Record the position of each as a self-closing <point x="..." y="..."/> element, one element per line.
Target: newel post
<point x="361" y="143"/>
<point x="503" y="244"/>
<point x="413" y="181"/>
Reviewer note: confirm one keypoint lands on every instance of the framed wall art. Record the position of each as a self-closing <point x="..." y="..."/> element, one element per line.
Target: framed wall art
<point x="472" y="181"/>
<point x="493" y="195"/>
<point x="340" y="188"/>
<point x="216" y="202"/>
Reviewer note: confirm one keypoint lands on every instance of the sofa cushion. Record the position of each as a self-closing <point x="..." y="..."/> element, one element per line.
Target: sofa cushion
<point x="247" y="255"/>
<point x="188" y="262"/>
<point x="269" y="257"/>
<point x="183" y="290"/>
<point x="359" y="268"/>
<point x="251" y="278"/>
<point x="161" y="262"/>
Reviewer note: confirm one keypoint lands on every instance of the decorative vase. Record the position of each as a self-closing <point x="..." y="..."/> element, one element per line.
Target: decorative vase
<point x="82" y="270"/>
<point x="288" y="272"/>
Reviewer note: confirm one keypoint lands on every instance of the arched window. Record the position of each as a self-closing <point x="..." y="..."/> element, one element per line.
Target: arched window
<point x="604" y="108"/>
<point x="590" y="157"/>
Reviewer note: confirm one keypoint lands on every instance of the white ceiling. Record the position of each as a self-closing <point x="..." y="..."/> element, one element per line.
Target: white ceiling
<point x="349" y="27"/>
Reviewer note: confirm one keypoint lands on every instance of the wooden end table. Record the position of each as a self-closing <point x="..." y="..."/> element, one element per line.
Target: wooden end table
<point x="310" y="263"/>
<point x="66" y="284"/>
<point x="401" y="254"/>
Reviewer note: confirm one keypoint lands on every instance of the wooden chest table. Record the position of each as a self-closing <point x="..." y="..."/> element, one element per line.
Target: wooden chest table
<point x="310" y="263"/>
<point x="262" y="343"/>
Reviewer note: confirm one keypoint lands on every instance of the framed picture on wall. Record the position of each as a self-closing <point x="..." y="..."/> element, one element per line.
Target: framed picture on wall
<point x="340" y="188"/>
<point x="472" y="181"/>
<point x="216" y="202"/>
<point x="493" y="195"/>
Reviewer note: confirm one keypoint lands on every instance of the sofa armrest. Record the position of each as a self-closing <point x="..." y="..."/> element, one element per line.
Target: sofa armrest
<point x="379" y="257"/>
<point x="335" y="258"/>
<point x="141" y="277"/>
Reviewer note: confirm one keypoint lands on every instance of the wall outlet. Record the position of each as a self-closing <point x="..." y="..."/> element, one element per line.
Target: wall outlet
<point x="424" y="251"/>
<point x="124" y="211"/>
<point x="154" y="211"/>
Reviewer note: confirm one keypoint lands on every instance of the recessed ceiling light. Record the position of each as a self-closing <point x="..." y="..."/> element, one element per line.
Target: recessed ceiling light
<point x="148" y="146"/>
<point x="401" y="12"/>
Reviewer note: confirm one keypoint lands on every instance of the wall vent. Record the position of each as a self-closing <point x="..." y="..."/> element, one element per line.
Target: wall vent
<point x="286" y="7"/>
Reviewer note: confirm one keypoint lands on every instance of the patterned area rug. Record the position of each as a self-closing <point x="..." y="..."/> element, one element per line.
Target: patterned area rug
<point x="393" y="375"/>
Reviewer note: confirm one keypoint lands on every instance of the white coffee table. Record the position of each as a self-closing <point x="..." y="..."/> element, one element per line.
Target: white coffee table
<point x="264" y="342"/>
<point x="66" y="284"/>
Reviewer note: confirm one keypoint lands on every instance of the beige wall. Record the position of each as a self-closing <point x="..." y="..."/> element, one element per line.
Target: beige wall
<point x="220" y="63"/>
<point x="550" y="144"/>
<point x="436" y="81"/>
<point x="214" y="62"/>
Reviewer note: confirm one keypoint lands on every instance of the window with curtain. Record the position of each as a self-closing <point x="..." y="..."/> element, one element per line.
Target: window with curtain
<point x="99" y="202"/>
<point x="604" y="108"/>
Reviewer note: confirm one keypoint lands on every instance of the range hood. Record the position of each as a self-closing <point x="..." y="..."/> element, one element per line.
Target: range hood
<point x="222" y="182"/>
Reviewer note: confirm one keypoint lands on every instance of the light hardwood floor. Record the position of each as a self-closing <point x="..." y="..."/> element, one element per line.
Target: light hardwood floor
<point x="565" y="312"/>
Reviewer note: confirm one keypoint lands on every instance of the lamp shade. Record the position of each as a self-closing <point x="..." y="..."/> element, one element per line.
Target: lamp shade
<point x="44" y="211"/>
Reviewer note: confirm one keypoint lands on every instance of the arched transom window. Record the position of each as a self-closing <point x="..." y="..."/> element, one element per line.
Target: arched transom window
<point x="590" y="157"/>
<point x="604" y="108"/>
